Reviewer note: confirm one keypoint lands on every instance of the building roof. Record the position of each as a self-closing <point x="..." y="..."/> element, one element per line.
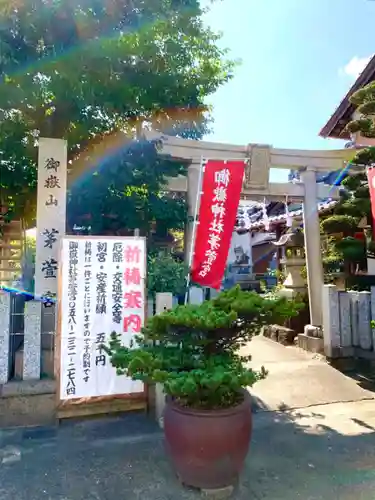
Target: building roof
<point x="247" y="221"/>
<point x="335" y="127"/>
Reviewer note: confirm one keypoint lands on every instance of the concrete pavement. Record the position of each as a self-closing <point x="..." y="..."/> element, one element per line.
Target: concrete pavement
<point x="317" y="451"/>
<point x="298" y="379"/>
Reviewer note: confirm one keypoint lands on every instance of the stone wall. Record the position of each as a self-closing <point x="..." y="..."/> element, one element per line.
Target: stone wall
<point x="280" y="334"/>
<point x="27" y="403"/>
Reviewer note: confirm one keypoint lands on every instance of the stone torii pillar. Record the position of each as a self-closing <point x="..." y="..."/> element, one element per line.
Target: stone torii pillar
<point x="312" y="246"/>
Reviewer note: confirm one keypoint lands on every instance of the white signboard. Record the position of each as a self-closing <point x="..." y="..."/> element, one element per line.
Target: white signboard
<point x="51" y="213"/>
<point x="102" y="291"/>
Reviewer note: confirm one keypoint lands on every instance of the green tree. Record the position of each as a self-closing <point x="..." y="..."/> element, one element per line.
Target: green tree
<point x="94" y="73"/>
<point x="166" y="274"/>
<point x="343" y="250"/>
<point x="127" y="192"/>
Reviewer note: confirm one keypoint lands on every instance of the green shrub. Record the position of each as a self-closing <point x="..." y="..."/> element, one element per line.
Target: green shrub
<point x="194" y="350"/>
<point x="339" y="224"/>
<point x="166" y="274"/>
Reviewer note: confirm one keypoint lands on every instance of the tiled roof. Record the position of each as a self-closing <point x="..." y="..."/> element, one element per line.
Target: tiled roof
<point x="251" y="217"/>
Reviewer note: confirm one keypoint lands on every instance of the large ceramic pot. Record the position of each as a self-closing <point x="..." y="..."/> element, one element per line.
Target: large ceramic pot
<point x="208" y="448"/>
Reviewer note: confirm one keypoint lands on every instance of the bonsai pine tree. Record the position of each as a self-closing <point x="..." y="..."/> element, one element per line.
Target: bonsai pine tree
<point x="343" y="251"/>
<point x="195" y="350"/>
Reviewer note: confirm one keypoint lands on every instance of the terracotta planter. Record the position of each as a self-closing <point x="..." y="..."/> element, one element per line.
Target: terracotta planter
<point x="208" y="448"/>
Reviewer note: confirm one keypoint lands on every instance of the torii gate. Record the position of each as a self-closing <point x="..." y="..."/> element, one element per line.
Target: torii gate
<point x="260" y="158"/>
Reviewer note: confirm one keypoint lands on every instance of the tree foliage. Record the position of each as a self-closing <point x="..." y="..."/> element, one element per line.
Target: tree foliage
<point x="94" y="73"/>
<point x="344" y="251"/>
<point x="194" y="350"/>
<point x="339" y="224"/>
<point x="166" y="274"/>
<point x="128" y="191"/>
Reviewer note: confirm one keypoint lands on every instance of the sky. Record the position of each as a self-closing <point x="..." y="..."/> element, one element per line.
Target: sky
<point x="298" y="60"/>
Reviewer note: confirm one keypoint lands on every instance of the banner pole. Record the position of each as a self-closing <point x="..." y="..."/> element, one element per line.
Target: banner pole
<point x="195" y="224"/>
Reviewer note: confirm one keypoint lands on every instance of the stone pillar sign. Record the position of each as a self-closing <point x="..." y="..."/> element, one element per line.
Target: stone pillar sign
<point x="51" y="213"/>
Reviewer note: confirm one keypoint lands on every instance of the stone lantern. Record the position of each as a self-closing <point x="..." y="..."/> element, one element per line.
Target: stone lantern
<point x="293" y="261"/>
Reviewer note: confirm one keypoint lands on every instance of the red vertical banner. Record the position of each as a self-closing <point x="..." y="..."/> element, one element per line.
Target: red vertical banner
<point x="371" y="187"/>
<point x="370" y="234"/>
<point x="221" y="191"/>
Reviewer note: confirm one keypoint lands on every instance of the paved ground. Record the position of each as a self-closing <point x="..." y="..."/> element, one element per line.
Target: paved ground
<point x="299" y="379"/>
<point x="324" y="452"/>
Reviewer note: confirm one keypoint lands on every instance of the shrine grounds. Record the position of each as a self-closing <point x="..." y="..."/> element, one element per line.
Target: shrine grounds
<point x="313" y="438"/>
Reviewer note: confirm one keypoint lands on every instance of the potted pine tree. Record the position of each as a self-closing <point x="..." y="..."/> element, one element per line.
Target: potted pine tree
<point x="195" y="351"/>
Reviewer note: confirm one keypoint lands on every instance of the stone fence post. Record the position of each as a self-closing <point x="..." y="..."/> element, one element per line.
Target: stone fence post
<point x="164" y="301"/>
<point x="196" y="295"/>
<point x="32" y="350"/>
<point x="4" y="336"/>
<point x="331" y="320"/>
